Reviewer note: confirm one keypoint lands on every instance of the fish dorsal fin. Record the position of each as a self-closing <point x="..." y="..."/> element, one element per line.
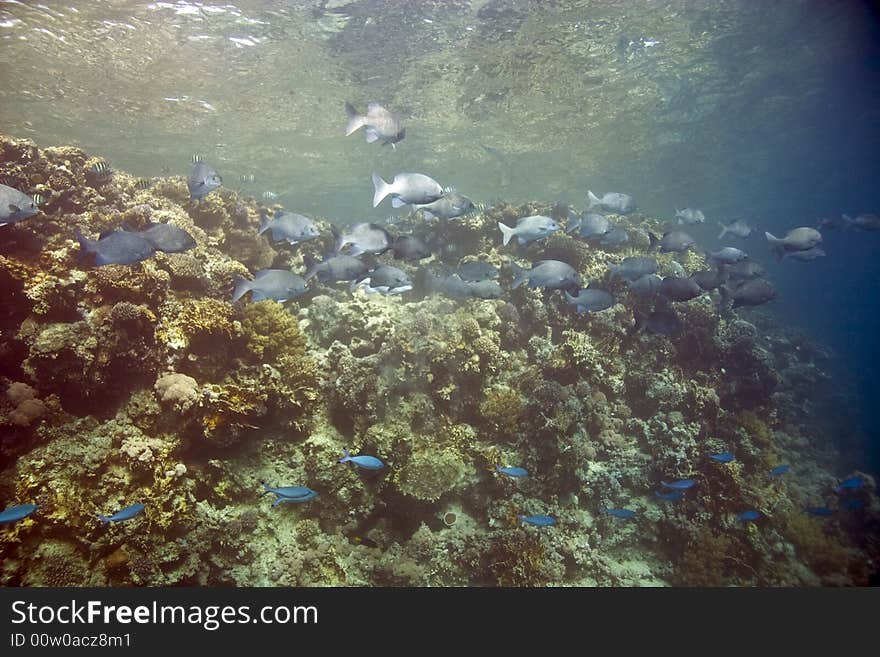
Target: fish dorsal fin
<point x="262" y="273"/>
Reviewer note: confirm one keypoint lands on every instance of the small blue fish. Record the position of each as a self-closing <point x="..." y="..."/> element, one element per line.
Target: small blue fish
<point x="674" y="496"/>
<point x="538" y="521"/>
<point x="512" y="471"/>
<point x="852" y="482"/>
<point x="363" y="461"/>
<point x="748" y="516"/>
<point x="818" y="510"/>
<point x="621" y="513"/>
<point x="16" y="513"/>
<point x="681" y="484"/>
<point x="126" y="513"/>
<point x="291" y="494"/>
<point x="722" y="457"/>
<point x="780" y="470"/>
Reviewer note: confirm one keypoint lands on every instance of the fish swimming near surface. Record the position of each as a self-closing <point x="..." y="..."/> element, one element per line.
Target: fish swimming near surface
<point x="511" y="471"/>
<point x="297" y="494"/>
<point x="612" y="202"/>
<point x="202" y="180"/>
<point x="625" y="514"/>
<point x="381" y="125"/>
<point x="681" y="484"/>
<point x="276" y="284"/>
<point x="528" y="229"/>
<point x="590" y="300"/>
<point x="690" y="216"/>
<point x="16" y="206"/>
<point x="167" y="238"/>
<point x="16" y="513"/>
<point x="127" y="513"/>
<point x="363" y="237"/>
<point x="780" y="470"/>
<point x="288" y="226"/>
<point x="449" y="206"/>
<point x="738" y="228"/>
<point x="405" y="189"/>
<point x="748" y="516"/>
<point x="365" y="462"/>
<point x="723" y="457"/>
<point x="117" y="247"/>
<point x="549" y="274"/>
<point x="340" y="267"/>
<point x="538" y="520"/>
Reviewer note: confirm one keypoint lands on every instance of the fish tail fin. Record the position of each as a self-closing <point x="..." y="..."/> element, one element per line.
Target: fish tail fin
<point x="653" y="240"/>
<point x="382" y="189"/>
<point x="265" y="221"/>
<point x="338" y="241"/>
<point x="772" y="238"/>
<point x="242" y="286"/>
<point x="723" y="232"/>
<point x="507" y="232"/>
<point x="593" y="199"/>
<point x="86" y="246"/>
<point x="278" y="501"/>
<point x="346" y="456"/>
<point x="104" y="519"/>
<point x="355" y="119"/>
<point x="520" y="275"/>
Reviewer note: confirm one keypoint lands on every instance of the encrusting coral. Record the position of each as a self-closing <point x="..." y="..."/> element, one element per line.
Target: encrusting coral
<point x="145" y="383"/>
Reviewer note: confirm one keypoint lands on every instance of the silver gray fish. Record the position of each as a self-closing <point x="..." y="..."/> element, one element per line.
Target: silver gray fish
<point x="729" y="255"/>
<point x="15" y="205"/>
<point x="449" y="206"/>
<point x="748" y="293"/>
<point x="614" y="238"/>
<point x="167" y="238"/>
<point x="289" y="226"/>
<point x="589" y="225"/>
<point x="487" y="289"/>
<point x="476" y="270"/>
<point x="364" y="237"/>
<point x="680" y="289"/>
<point x="672" y="241"/>
<point x="276" y="284"/>
<point x="709" y="279"/>
<point x="406" y="188"/>
<point x="528" y="229"/>
<point x="745" y="270"/>
<point x="738" y="228"/>
<point x="663" y="321"/>
<point x="806" y="255"/>
<point x="646" y="286"/>
<point x="690" y="216"/>
<point x="612" y="202"/>
<point x="384" y="279"/>
<point x="797" y="239"/>
<point x="381" y="125"/>
<point x="118" y="247"/>
<point x="550" y="274"/>
<point x="633" y="267"/>
<point x="867" y="222"/>
<point x="337" y="268"/>
<point x="410" y="247"/>
<point x="202" y="180"/>
<point x="590" y="300"/>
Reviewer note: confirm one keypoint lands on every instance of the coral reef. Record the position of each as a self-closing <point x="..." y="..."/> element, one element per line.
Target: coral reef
<point x="145" y="383"/>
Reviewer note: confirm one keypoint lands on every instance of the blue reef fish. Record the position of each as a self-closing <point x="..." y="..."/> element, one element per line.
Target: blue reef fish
<point x="681" y="484"/>
<point x="126" y="514"/>
<point x="512" y="471"/>
<point x="538" y="521"/>
<point x="15" y="205"/>
<point x="621" y="513"/>
<point x="528" y="229"/>
<point x="118" y="247"/>
<point x="202" y="180"/>
<point x="673" y="496"/>
<point x="277" y="284"/>
<point x="16" y="513"/>
<point x="362" y="461"/>
<point x="748" y="516"/>
<point x="780" y="470"/>
<point x="722" y="457"/>
<point x="819" y="510"/>
<point x="848" y="484"/>
<point x="291" y="494"/>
